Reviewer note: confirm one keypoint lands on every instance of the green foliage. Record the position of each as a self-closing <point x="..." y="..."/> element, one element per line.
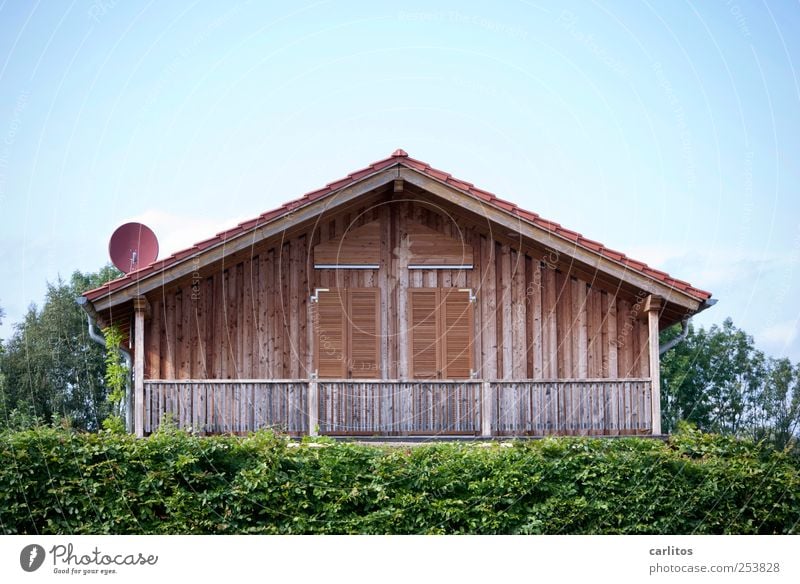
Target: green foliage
<point x="58" y="481"/>
<point x="50" y="368"/>
<point x="116" y="378"/>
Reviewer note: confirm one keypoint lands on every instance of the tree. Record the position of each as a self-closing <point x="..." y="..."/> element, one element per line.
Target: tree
<point x="779" y="405"/>
<point x="684" y="380"/>
<point x="720" y="382"/>
<point x="50" y="367"/>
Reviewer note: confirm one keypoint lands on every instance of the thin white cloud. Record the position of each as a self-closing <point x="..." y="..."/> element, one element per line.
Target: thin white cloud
<point x="781" y="334"/>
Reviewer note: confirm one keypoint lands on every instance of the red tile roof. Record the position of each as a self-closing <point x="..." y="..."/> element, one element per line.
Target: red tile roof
<point x="401" y="157"/>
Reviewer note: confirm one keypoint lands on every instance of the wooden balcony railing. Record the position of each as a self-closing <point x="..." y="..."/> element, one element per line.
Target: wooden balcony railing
<point x="402" y="408"/>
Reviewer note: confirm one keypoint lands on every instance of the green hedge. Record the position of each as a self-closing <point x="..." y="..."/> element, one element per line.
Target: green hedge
<point x="59" y="481"/>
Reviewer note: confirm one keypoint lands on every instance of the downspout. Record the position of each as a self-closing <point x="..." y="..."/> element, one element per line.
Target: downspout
<point x="684" y="328"/>
<point x="671" y="343"/>
<point x="125" y="408"/>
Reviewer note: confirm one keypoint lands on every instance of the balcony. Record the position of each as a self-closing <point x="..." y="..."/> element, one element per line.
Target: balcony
<point x="585" y="407"/>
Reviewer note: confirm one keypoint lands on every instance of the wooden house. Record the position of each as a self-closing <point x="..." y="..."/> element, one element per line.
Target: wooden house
<point x="399" y="301"/>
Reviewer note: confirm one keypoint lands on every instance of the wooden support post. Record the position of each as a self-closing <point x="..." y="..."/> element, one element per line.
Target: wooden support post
<point x="141" y="308"/>
<point x="313" y="407"/>
<point x="486" y="409"/>
<point x="652" y="307"/>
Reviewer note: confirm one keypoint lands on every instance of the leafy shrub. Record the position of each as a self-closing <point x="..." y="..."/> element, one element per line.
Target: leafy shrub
<point x="59" y="481"/>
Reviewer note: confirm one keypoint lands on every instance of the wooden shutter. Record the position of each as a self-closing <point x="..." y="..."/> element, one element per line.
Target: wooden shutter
<point x="456" y="317"/>
<point x="364" y="332"/>
<point x="331" y="336"/>
<point x="424" y="332"/>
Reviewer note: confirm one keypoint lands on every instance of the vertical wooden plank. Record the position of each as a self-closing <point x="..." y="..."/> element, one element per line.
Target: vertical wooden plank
<point x="401" y="263"/>
<point x="550" y="346"/>
<point x="168" y="368"/>
<point x="138" y="371"/>
<point x="529" y="317"/>
<point x="247" y="310"/>
<point x="204" y="400"/>
<point x="612" y="417"/>
<point x="535" y="289"/>
<point x="223" y="326"/>
<point x="593" y="333"/>
<point x="586" y="408"/>
<point x="636" y="346"/>
<point x="505" y="325"/>
<point x="240" y="327"/>
<point x="472" y="281"/>
<point x="391" y="313"/>
<point x="188" y="406"/>
<point x="178" y="344"/>
<point x="181" y="342"/>
<point x="518" y="316"/>
<point x="561" y="410"/>
<point x="564" y="320"/>
<point x="581" y="348"/>
<point x="654" y="363"/>
<point x="185" y="330"/>
<point x="602" y="350"/>
<point x="153" y="359"/>
<point x="597" y="338"/>
<point x="219" y="333"/>
<point x="383" y="285"/>
<point x="630" y="412"/>
<point x="197" y="368"/>
<point x="307" y="288"/>
<point x="644" y="346"/>
<point x="232" y="307"/>
<point x="486" y="408"/>
<point x="294" y="309"/>
<point x="611" y="345"/>
<point x="623" y="338"/>
<point x="489" y="258"/>
<point x="258" y="404"/>
<point x="271" y="303"/>
<point x="262" y="301"/>
<point x="207" y="332"/>
<point x="284" y="330"/>
<point x="148" y="406"/>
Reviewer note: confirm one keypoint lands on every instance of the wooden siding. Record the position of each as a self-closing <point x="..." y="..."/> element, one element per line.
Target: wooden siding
<point x="249" y="317"/>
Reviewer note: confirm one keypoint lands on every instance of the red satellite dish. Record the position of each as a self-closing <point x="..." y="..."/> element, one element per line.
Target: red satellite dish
<point x="133" y="246"/>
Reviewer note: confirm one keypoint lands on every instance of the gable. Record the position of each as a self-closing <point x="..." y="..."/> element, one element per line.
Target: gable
<point x="400" y="168"/>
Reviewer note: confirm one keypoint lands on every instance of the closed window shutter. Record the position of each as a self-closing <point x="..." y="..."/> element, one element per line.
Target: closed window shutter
<point x="456" y="313"/>
<point x="331" y="340"/>
<point x="364" y="328"/>
<point x="424" y="333"/>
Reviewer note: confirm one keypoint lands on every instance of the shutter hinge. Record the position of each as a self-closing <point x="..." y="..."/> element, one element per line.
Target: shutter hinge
<point x="315" y="295"/>
<point x="472" y="297"/>
<point x="314" y="374"/>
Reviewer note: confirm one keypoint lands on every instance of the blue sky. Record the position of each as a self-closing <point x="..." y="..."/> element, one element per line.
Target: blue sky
<point x="665" y="130"/>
